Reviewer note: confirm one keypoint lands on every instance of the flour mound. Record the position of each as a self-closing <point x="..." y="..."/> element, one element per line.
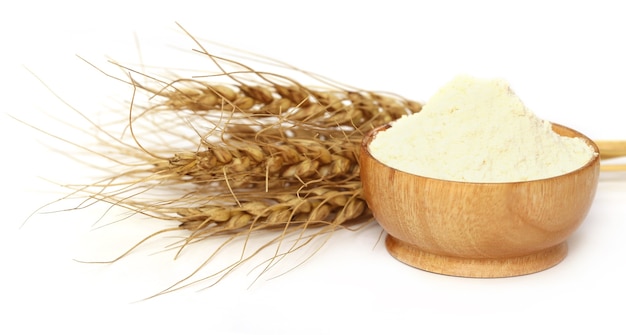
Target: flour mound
<point x="478" y="130"/>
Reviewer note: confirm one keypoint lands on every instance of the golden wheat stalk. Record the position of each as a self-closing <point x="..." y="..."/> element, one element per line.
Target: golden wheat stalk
<point x="245" y="153"/>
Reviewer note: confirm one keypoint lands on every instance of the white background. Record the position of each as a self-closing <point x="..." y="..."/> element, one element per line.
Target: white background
<point x="565" y="59"/>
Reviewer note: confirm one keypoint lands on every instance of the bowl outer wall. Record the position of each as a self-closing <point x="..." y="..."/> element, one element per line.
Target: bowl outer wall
<point x="478" y="220"/>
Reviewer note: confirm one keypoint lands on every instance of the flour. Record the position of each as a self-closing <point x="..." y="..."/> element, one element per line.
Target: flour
<point x="478" y="130"/>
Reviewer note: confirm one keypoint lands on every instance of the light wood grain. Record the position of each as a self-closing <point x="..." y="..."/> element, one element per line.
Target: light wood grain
<point x="478" y="229"/>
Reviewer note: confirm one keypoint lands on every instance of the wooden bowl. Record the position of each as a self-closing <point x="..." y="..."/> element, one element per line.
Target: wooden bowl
<point x="478" y="229"/>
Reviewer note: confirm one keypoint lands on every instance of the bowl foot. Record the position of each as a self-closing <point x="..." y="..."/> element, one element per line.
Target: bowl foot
<point x="475" y="267"/>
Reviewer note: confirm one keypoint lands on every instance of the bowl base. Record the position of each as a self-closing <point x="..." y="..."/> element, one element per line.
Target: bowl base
<point x="475" y="267"/>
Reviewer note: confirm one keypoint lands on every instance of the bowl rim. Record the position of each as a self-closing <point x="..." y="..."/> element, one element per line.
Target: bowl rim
<point x="370" y="135"/>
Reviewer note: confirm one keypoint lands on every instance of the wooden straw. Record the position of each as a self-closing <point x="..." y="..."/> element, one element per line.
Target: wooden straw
<point x="612" y="149"/>
<point x="613" y="167"/>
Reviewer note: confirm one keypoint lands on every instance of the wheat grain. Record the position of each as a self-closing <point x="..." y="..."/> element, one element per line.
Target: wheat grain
<point x="254" y="152"/>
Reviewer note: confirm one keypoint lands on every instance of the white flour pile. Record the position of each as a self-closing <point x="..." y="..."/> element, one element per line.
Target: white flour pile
<point x="478" y="130"/>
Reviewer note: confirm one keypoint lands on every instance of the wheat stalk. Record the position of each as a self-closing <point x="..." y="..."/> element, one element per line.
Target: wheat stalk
<point x="241" y="153"/>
